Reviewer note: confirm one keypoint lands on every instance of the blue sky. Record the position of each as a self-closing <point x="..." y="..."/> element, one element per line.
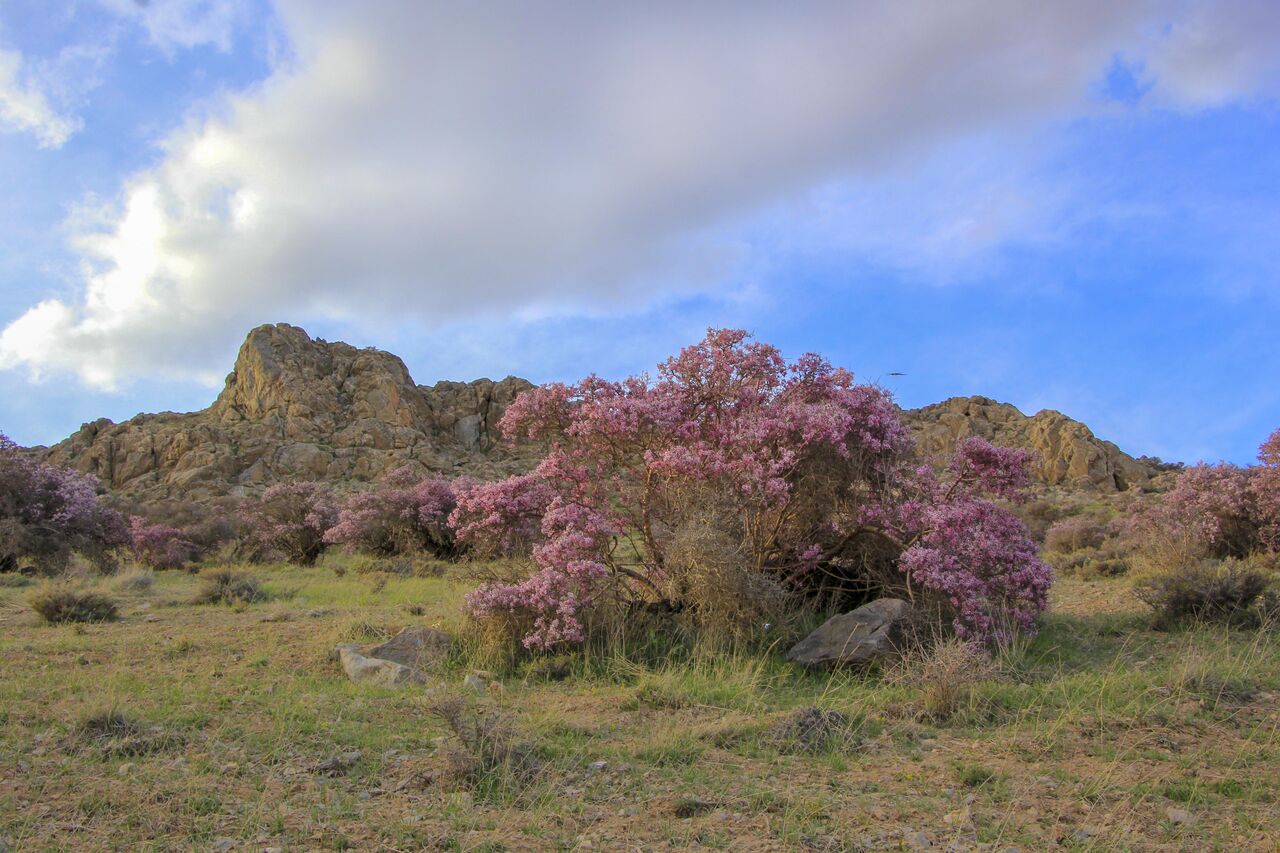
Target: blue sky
<point x="1069" y="207"/>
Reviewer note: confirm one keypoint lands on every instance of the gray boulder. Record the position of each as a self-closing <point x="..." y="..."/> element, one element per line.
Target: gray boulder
<point x="367" y="670"/>
<point x="416" y="648"/>
<point x="871" y="632"/>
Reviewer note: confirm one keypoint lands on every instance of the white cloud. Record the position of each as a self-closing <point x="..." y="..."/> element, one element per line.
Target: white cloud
<point x="451" y="161"/>
<point x="174" y="24"/>
<point x="1218" y="51"/>
<point x="25" y="104"/>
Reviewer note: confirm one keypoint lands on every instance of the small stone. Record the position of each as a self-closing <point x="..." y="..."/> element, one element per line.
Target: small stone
<point x="222" y="845"/>
<point x="597" y="766"/>
<point x="341" y="763"/>
<point x="124" y="769"/>
<point x="474" y="682"/>
<point x="151" y="617"/>
<point x="1179" y="816"/>
<point x="918" y="840"/>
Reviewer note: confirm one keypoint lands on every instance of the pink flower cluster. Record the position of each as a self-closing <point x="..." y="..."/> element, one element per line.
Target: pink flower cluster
<point x="1234" y="509"/>
<point x="48" y="512"/>
<point x="502" y="518"/>
<point x="979" y="557"/>
<point x="291" y="520"/>
<point x="789" y="459"/>
<point x="406" y="512"/>
<point x="161" y="546"/>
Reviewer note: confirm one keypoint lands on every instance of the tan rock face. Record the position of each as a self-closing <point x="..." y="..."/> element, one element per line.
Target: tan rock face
<point x="294" y="407"/>
<point x="1064" y="452"/>
<point x="298" y="408"/>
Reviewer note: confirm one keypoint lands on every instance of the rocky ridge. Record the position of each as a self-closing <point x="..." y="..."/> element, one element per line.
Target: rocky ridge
<point x="295" y="407"/>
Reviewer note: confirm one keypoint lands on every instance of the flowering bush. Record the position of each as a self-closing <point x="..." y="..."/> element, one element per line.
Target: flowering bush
<point x="48" y="513"/>
<point x="161" y="546"/>
<point x="1230" y="510"/>
<point x="502" y="518"/>
<point x="405" y="513"/>
<point x="291" y="520"/>
<point x="736" y="474"/>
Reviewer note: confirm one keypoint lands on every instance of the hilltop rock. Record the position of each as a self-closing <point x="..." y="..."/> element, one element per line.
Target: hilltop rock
<point x="1064" y="452"/>
<point x="294" y="407"/>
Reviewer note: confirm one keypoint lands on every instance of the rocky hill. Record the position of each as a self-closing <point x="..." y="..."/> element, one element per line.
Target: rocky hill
<point x="1064" y="452"/>
<point x="297" y="407"/>
<point x="294" y="407"/>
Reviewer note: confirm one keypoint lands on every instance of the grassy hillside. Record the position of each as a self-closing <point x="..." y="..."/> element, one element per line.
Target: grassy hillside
<point x="236" y="730"/>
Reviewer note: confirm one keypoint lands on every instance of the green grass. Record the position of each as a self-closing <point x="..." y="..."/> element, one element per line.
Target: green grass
<point x="658" y="743"/>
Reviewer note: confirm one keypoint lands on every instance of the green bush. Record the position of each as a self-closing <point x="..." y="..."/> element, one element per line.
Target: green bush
<point x="227" y="586"/>
<point x="1206" y="590"/>
<point x="61" y="602"/>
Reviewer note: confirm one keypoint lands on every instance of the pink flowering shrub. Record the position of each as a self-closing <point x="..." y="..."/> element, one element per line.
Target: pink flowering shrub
<point x="404" y="514"/>
<point x="1232" y="510"/>
<point x="290" y="520"/>
<point x="48" y="513"/>
<point x="735" y="473"/>
<point x="502" y="518"/>
<point x="161" y="546"/>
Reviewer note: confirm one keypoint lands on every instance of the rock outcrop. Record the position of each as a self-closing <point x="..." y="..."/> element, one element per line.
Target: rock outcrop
<point x="1064" y="452"/>
<point x="294" y="407"/>
<point x="301" y="408"/>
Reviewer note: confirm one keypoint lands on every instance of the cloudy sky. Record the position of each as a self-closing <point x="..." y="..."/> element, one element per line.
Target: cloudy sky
<point x="1066" y="205"/>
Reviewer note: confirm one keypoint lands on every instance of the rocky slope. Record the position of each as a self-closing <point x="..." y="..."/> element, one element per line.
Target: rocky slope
<point x="1064" y="452"/>
<point x="295" y="407"/>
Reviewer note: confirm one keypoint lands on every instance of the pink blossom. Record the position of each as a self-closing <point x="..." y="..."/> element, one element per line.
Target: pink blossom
<point x="791" y="459"/>
<point x="47" y="513"/>
<point x="291" y="519"/>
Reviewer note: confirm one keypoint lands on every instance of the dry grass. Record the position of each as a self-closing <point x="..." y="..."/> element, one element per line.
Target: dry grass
<point x="226" y="586"/>
<point x="58" y="602"/>
<point x="1099" y="728"/>
<point x="134" y="580"/>
<point x="946" y="673"/>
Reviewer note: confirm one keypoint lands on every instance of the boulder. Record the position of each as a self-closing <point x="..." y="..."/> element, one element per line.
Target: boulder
<point x="870" y="633"/>
<point x="366" y="670"/>
<point x="416" y="648"/>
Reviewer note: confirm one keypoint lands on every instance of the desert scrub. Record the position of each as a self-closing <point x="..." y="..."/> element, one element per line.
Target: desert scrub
<point x="115" y="734"/>
<point x="1207" y="590"/>
<point x="65" y="602"/>
<point x="227" y="586"/>
<point x="945" y="674"/>
<point x="135" y="580"/>
<point x="484" y="755"/>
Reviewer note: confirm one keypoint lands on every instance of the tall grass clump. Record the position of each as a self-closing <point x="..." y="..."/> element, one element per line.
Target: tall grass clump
<point x="228" y="586"/>
<point x="67" y="602"/>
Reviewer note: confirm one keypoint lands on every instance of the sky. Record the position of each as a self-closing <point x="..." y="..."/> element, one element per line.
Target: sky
<point x="1072" y="206"/>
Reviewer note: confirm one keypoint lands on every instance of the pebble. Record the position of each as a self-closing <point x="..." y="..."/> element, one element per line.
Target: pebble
<point x="222" y="845"/>
<point x="918" y="840"/>
<point x="474" y="682"/>
<point x="1179" y="816"/>
<point x="597" y="766"/>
